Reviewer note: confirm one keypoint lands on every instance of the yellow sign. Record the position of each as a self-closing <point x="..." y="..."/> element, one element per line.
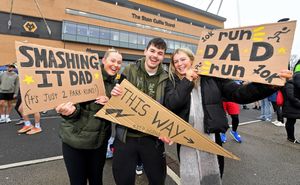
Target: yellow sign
<point x="254" y="53"/>
<point x="30" y="26"/>
<point x="51" y="76"/>
<point x="138" y="111"/>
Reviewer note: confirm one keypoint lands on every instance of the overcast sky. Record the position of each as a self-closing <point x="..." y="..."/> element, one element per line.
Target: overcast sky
<point x="254" y="12"/>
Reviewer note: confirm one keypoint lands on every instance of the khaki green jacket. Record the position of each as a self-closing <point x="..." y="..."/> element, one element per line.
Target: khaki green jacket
<point x="82" y="130"/>
<point x="137" y="75"/>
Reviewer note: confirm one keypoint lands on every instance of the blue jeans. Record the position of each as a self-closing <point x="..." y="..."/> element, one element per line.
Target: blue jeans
<point x="266" y="112"/>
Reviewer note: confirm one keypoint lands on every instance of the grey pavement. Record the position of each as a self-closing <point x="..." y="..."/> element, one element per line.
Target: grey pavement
<point x="266" y="156"/>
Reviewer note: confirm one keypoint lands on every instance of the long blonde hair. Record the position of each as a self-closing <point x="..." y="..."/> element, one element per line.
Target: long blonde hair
<point x="172" y="69"/>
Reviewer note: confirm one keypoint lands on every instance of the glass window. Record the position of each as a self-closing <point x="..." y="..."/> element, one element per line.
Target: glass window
<point x="82" y="30"/>
<point x="141" y="40"/>
<point x="177" y="45"/>
<point x="70" y="28"/>
<point x="189" y="46"/>
<point x="183" y="45"/>
<point x="170" y="44"/>
<point x="104" y="33"/>
<point x="123" y="36"/>
<point x="133" y="38"/>
<point x="114" y="35"/>
<point x="110" y="19"/>
<point x="94" y="32"/>
<point x="147" y="39"/>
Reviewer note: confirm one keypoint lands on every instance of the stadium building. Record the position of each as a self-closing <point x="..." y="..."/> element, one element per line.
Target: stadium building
<point x="95" y="26"/>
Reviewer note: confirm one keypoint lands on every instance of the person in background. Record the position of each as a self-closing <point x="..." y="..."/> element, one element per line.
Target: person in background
<point x="265" y="112"/>
<point x="18" y="103"/>
<point x="199" y="102"/>
<point x="233" y="109"/>
<point x="28" y="128"/>
<point x="9" y="86"/>
<point x="279" y="121"/>
<point x="84" y="136"/>
<point x="291" y="106"/>
<point x="148" y="75"/>
<point x="245" y="107"/>
<point x="256" y="105"/>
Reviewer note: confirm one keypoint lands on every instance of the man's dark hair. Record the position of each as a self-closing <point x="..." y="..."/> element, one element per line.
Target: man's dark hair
<point x="158" y="43"/>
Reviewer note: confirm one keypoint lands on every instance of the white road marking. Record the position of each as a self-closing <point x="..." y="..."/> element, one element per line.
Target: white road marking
<point x="249" y="122"/>
<point x="25" y="163"/>
<point x="173" y="175"/>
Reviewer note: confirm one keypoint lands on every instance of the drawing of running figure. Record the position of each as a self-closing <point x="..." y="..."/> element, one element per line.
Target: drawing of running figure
<point x="276" y="34"/>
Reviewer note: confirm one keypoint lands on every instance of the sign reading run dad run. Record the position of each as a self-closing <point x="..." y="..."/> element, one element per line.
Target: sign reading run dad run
<point x="138" y="111"/>
<point x="51" y="76"/>
<point x="256" y="53"/>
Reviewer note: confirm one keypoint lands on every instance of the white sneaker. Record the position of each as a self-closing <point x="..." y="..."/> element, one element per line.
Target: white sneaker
<point x="275" y="122"/>
<point x="7" y="120"/>
<point x="278" y="123"/>
<point x="2" y="120"/>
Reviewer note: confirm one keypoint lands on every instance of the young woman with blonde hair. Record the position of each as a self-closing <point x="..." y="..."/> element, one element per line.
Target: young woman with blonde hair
<point x="199" y="102"/>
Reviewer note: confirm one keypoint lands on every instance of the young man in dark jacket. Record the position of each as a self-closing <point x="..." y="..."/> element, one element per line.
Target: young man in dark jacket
<point x="148" y="76"/>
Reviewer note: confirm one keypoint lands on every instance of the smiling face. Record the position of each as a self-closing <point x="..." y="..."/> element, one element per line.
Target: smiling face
<point x="112" y="63"/>
<point x="182" y="63"/>
<point x="154" y="57"/>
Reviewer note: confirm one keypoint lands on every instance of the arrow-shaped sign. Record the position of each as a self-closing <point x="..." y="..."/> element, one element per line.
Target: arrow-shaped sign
<point x="148" y="116"/>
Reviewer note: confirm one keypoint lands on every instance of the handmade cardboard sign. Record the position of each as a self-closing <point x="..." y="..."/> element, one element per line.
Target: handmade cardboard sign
<point x="136" y="110"/>
<point x="51" y="76"/>
<point x="255" y="53"/>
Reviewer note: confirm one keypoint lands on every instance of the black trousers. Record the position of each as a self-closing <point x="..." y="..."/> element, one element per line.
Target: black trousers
<point x="149" y="149"/>
<point x="278" y="110"/>
<point x="290" y="128"/>
<point x="221" y="160"/>
<point x="235" y="121"/>
<point x="84" y="165"/>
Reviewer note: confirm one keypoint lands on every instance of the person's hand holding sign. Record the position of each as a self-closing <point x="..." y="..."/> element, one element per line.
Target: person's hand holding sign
<point x="191" y="74"/>
<point x="283" y="74"/>
<point x="65" y="109"/>
<point x="287" y="74"/>
<point x="117" y="90"/>
<point x="102" y="100"/>
<point x="166" y="139"/>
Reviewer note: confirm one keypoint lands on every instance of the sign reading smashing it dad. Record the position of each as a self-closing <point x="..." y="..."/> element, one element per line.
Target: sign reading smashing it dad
<point x="51" y="76"/>
<point x="138" y="111"/>
<point x="255" y="53"/>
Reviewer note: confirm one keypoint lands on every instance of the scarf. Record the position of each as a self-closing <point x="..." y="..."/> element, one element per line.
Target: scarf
<point x="198" y="167"/>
